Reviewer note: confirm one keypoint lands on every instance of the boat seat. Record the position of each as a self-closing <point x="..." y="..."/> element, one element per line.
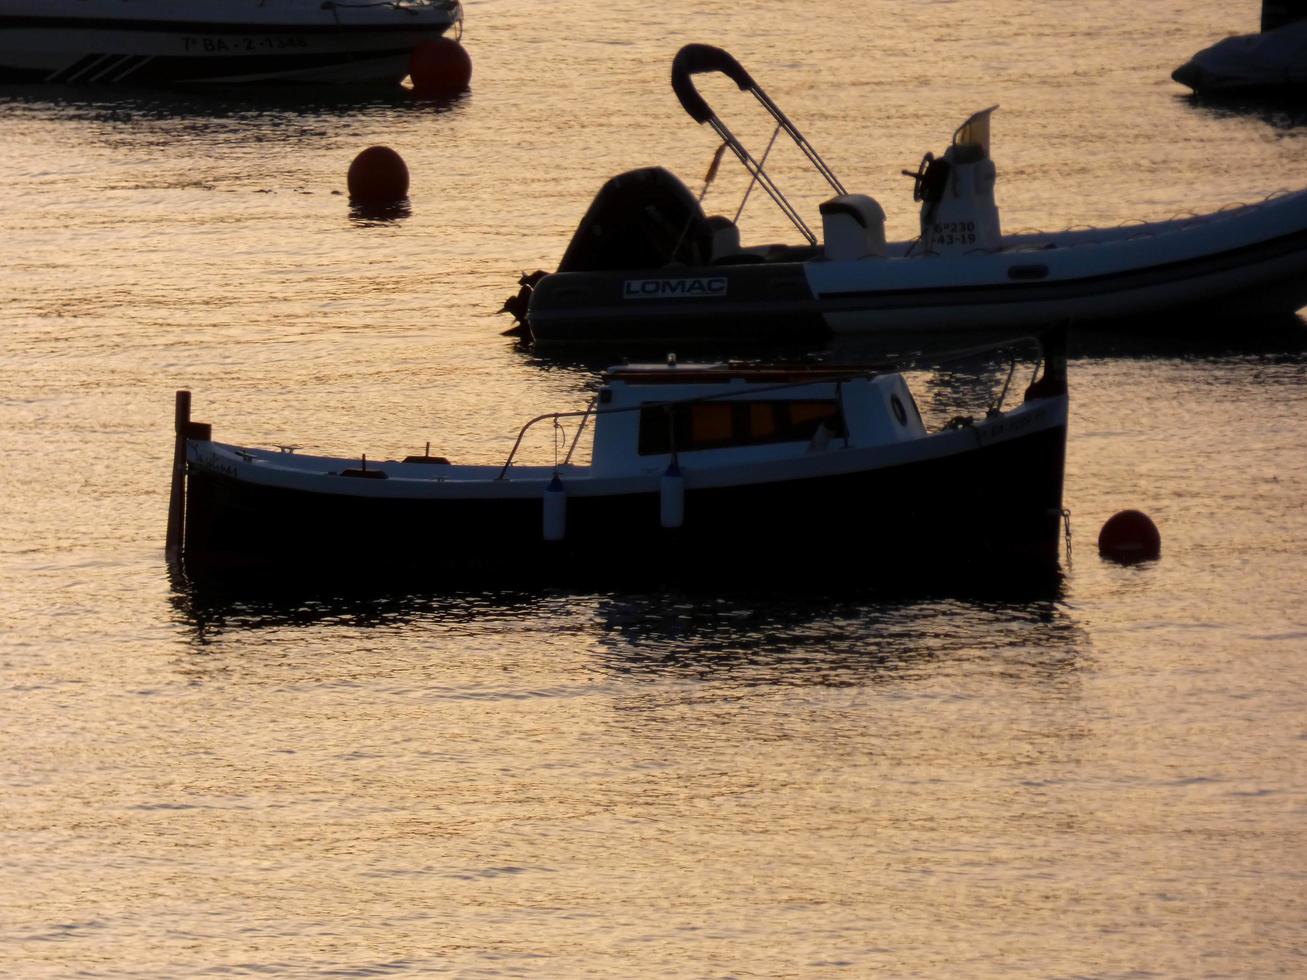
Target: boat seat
<point x="853" y="226"/>
<point x="719" y="238"/>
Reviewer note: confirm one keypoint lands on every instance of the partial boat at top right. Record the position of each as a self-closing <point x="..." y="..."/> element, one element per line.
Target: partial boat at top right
<point x="1273" y="62"/>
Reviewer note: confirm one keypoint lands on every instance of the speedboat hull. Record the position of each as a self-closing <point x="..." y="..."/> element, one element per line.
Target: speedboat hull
<point x="156" y="42"/>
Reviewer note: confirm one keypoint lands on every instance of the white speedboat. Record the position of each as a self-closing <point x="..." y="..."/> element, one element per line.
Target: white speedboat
<point x="1273" y="62"/>
<point x="724" y="472"/>
<point x="225" y="42"/>
<point x="646" y="264"/>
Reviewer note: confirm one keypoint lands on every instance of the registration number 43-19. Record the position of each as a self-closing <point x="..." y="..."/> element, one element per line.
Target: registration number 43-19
<point x="954" y="232"/>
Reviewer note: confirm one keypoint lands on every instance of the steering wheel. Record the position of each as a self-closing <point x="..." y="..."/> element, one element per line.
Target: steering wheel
<point x="919" y="176"/>
<point x="929" y="179"/>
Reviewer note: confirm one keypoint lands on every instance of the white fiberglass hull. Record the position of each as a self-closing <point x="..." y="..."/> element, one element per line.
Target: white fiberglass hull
<point x="243" y="42"/>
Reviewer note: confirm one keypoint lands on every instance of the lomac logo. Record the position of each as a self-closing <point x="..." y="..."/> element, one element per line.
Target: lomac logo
<point x="673" y="288"/>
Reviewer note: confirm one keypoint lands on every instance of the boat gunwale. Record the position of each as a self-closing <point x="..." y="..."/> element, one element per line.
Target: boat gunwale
<point x="268" y="467"/>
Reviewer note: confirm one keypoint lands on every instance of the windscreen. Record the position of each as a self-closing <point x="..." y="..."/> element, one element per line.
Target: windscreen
<point x="971" y="141"/>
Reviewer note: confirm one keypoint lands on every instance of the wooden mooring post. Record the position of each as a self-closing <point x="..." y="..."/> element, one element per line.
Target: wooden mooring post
<point x="185" y="429"/>
<point x="177" y="500"/>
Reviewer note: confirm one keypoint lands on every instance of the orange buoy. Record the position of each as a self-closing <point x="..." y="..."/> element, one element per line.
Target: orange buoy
<point x="440" y="68"/>
<point x="378" y="175"/>
<point x="1130" y="536"/>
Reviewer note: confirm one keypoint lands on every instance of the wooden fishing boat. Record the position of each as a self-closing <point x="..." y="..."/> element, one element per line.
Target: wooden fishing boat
<point x="723" y="471"/>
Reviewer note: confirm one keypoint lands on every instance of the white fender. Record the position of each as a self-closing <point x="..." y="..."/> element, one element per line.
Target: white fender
<point x="671" y="497"/>
<point x="555" y="510"/>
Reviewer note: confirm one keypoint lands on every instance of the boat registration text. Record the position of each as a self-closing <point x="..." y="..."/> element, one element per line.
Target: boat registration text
<point x="954" y="232"/>
<point x="1011" y="426"/>
<point x="242" y="44"/>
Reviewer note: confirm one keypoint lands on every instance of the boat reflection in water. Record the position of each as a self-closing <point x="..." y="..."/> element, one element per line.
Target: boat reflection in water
<point x="747" y="637"/>
<point x="820" y="640"/>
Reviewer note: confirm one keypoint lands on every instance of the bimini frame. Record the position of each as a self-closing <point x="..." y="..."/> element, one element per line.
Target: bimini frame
<point x="697" y="59"/>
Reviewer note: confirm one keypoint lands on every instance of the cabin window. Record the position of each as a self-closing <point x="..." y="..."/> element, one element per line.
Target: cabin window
<point x="712" y="424"/>
<point x="719" y="424"/>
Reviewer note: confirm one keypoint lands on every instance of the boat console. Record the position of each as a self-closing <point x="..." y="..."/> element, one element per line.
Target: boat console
<point x="956" y="191"/>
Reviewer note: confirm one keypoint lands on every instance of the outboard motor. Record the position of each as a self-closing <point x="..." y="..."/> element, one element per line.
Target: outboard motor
<point x="956" y="191"/>
<point x="641" y="219"/>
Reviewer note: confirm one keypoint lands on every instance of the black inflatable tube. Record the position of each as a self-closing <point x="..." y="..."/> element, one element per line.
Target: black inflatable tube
<point x="695" y="59"/>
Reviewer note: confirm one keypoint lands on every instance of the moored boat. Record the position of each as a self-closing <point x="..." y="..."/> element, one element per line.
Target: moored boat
<point x="647" y="265"/>
<point x="216" y="42"/>
<point x="719" y="471"/>
<point x="1270" y="63"/>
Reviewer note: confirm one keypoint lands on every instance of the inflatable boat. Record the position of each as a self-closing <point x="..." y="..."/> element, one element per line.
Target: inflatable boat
<point x="647" y="265"/>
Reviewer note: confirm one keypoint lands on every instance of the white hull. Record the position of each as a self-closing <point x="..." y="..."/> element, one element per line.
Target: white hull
<point x="1250" y="261"/>
<point x="162" y="42"/>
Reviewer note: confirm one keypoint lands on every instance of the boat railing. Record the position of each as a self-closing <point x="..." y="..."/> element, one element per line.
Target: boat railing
<point x="589" y="410"/>
<point x="839" y="380"/>
<point x="556" y="418"/>
<point x="1044" y="343"/>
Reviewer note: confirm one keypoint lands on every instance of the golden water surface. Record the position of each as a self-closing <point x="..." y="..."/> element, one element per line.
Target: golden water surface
<point x="1108" y="782"/>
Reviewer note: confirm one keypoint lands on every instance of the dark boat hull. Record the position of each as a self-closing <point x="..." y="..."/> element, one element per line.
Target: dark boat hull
<point x="970" y="516"/>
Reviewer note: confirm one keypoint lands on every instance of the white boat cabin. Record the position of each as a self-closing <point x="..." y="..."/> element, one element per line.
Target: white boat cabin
<point x="719" y="414"/>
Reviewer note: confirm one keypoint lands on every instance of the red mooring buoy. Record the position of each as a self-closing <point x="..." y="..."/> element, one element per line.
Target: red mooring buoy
<point x="1130" y="536"/>
<point x="440" y="68"/>
<point x="378" y="175"/>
